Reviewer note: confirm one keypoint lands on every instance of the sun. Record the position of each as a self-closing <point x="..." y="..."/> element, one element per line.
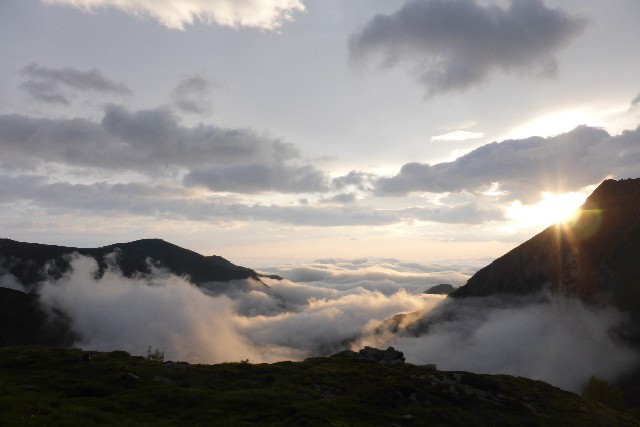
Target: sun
<point x="552" y="209"/>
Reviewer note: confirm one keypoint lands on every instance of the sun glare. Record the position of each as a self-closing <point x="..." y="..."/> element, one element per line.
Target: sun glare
<point x="552" y="209"/>
<point x="554" y="124"/>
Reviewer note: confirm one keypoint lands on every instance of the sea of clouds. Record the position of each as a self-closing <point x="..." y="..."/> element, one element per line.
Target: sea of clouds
<point x="326" y="306"/>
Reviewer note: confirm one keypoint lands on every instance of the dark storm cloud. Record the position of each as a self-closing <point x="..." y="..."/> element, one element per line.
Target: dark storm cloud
<point x="524" y="168"/>
<point x="53" y="85"/>
<point x="191" y="95"/>
<point x="258" y="178"/>
<point x="455" y="44"/>
<point x="148" y="141"/>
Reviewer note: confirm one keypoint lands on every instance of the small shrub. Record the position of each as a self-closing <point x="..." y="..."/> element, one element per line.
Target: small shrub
<point x="155" y="355"/>
<point x="600" y="391"/>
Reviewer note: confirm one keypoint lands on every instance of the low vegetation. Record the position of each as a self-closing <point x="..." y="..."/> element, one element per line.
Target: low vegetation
<point x="45" y="386"/>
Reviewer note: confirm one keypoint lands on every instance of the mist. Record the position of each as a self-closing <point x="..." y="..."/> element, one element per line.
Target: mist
<point x="286" y="321"/>
<point x="547" y="337"/>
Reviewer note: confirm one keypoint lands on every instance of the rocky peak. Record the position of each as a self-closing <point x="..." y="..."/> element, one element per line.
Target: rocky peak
<point x="596" y="257"/>
<point x="388" y="356"/>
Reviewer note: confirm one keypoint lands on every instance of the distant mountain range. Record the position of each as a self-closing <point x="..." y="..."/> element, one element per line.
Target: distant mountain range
<point x="31" y="263"/>
<point x="596" y="257"/>
<point x="22" y="319"/>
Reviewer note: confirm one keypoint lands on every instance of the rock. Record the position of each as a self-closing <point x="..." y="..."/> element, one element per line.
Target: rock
<point x="130" y="377"/>
<point x="88" y="356"/>
<point x="441" y="289"/>
<point x="175" y="366"/>
<point x="346" y="353"/>
<point x="390" y="355"/>
<point x="409" y="418"/>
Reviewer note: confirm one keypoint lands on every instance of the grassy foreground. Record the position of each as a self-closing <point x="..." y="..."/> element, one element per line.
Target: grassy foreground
<point x="42" y="386"/>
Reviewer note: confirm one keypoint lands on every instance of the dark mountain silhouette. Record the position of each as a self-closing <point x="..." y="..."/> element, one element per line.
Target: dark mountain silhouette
<point x="441" y="289"/>
<point x="596" y="257"/>
<point x="31" y="263"/>
<point x="24" y="321"/>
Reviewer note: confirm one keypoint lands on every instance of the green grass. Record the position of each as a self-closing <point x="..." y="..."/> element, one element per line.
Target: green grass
<point x="53" y="387"/>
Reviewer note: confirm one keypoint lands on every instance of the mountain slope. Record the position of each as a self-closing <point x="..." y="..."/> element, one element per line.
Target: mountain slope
<point x="596" y="257"/>
<point x="31" y="262"/>
<point x="24" y="321"/>
<point x="43" y="386"/>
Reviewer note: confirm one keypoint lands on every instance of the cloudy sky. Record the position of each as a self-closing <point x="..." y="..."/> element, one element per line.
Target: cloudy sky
<point x="280" y="129"/>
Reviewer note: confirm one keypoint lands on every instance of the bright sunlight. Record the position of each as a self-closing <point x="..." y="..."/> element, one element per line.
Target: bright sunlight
<point x="553" y="208"/>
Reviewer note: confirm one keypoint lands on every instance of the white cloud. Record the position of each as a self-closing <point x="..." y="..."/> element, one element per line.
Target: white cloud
<point x="168" y="313"/>
<point x="265" y="14"/>
<point x="524" y="168"/>
<point x="457" y="135"/>
<point x="373" y="275"/>
<point x="285" y="321"/>
<point x="555" y="339"/>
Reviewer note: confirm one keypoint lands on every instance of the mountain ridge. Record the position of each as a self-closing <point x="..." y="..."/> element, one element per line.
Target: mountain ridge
<point x="31" y="263"/>
<point x="24" y="320"/>
<point x="596" y="257"/>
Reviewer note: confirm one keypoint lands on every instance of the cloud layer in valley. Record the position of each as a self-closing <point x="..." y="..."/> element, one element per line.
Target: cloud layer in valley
<point x="285" y="321"/>
<point x="454" y="45"/>
<point x="552" y="338"/>
<point x="547" y="337"/>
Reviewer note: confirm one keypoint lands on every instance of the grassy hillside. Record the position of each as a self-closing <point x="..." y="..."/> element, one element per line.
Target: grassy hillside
<point x="44" y="386"/>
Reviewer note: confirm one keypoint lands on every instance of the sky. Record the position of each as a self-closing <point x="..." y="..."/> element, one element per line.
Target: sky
<point x="308" y="129"/>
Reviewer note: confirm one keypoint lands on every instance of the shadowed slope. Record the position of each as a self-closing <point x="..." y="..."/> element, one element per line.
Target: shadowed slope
<point x="596" y="257"/>
<point x="31" y="262"/>
<point x="72" y="387"/>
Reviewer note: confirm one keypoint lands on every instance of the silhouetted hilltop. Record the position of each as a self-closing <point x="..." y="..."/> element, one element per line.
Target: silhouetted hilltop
<point x="74" y="387"/>
<point x="30" y="263"/>
<point x="441" y="289"/>
<point x="596" y="257"/>
<point x="24" y="321"/>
